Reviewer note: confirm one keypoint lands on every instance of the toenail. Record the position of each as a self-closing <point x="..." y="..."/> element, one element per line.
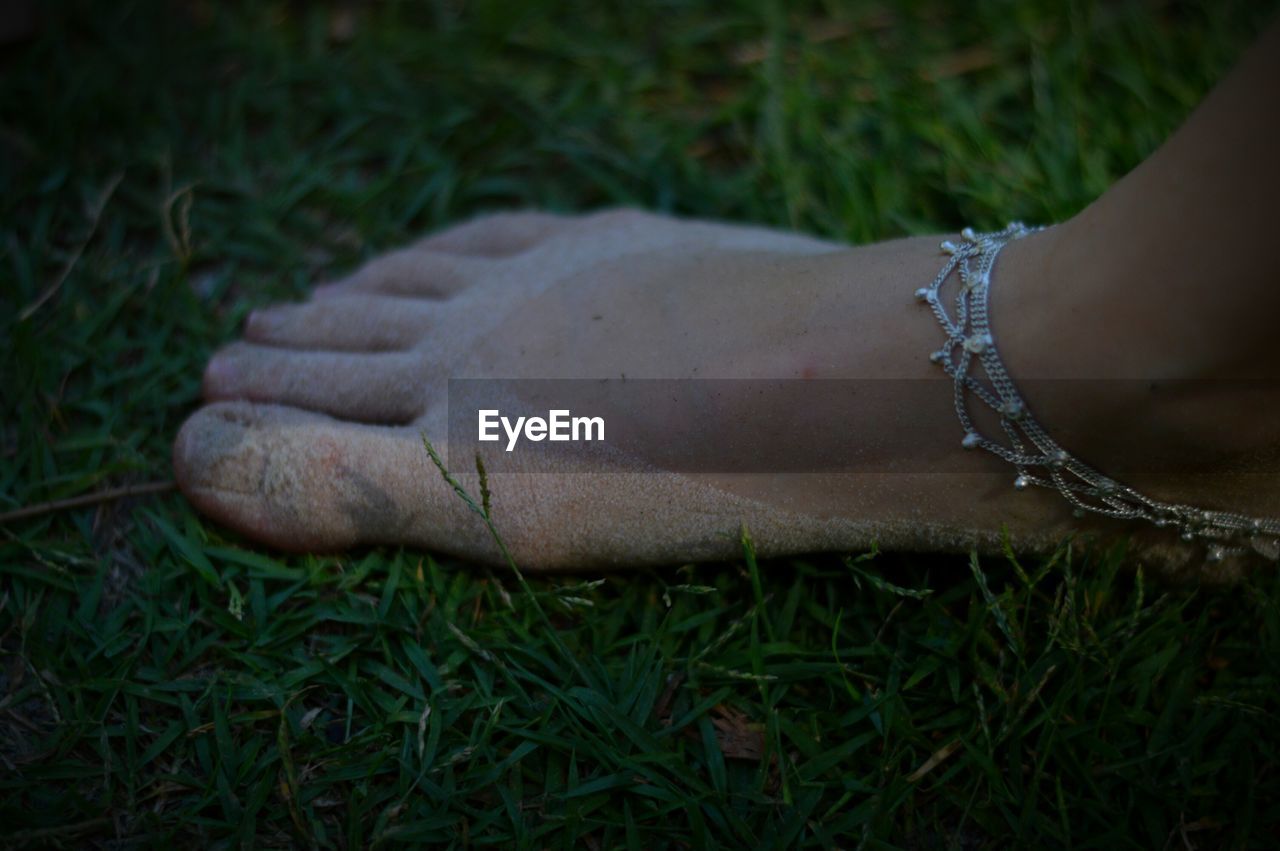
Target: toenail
<point x="260" y="321"/>
<point x="219" y="373"/>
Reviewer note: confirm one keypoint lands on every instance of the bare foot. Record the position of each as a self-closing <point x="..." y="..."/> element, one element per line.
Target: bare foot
<point x="311" y="438"/>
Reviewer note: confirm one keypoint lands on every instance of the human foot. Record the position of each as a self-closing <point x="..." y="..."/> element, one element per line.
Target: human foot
<point x="312" y="437"/>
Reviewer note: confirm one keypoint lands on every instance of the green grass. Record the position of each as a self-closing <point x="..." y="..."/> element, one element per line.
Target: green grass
<point x="162" y="681"/>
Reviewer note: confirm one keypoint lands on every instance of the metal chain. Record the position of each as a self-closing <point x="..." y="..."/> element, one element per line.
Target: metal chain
<point x="969" y="356"/>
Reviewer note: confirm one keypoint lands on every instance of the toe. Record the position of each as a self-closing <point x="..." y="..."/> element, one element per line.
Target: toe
<point x="387" y="387"/>
<point x="416" y="273"/>
<point x="499" y="234"/>
<point x="351" y="323"/>
<point x="302" y="481"/>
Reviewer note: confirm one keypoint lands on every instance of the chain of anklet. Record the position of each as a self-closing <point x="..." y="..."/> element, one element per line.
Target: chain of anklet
<point x="970" y="348"/>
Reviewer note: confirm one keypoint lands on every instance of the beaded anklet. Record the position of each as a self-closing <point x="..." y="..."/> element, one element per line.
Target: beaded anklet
<point x="970" y="347"/>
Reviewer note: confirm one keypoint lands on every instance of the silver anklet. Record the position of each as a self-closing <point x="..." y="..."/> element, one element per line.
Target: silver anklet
<point x="1038" y="459"/>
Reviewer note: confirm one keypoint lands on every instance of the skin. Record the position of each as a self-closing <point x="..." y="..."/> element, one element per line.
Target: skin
<point x="311" y="438"/>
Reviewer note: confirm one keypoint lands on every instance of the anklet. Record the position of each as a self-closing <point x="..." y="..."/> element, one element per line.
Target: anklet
<point x="1038" y="459"/>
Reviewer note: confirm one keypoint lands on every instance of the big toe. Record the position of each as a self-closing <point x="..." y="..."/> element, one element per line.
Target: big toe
<point x="294" y="479"/>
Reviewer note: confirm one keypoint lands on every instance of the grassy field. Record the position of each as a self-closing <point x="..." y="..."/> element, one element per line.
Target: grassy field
<point x="166" y="167"/>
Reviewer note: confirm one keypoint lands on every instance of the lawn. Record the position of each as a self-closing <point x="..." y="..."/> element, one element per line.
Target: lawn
<point x="166" y="167"/>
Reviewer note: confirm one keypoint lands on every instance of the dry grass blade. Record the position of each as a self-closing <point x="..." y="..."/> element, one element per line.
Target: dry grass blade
<point x="86" y="499"/>
<point x="95" y="216"/>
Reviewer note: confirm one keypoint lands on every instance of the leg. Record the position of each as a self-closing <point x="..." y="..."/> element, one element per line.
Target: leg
<point x="1173" y="270"/>
<point x="1161" y="296"/>
<point x="627" y="293"/>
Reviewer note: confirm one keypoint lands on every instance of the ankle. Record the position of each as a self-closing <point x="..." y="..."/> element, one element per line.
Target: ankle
<point x="1093" y="299"/>
<point x="1099" y="372"/>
